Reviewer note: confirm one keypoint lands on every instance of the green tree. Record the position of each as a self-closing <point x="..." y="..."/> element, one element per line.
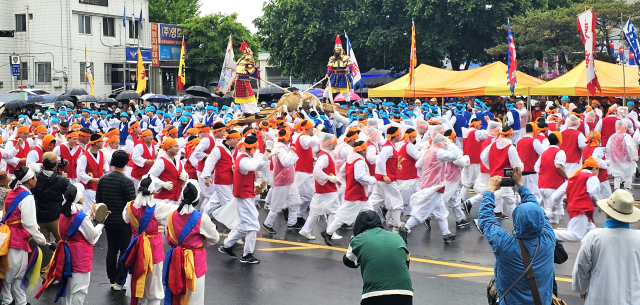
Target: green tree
<point x="208" y="37"/>
<point x="173" y="11"/>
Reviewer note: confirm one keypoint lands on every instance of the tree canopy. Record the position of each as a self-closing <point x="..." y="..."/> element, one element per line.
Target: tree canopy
<point x="172" y="11"/>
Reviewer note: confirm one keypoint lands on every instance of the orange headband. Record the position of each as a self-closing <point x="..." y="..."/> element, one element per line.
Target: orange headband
<point x="146" y="132"/>
<point x="535" y="128"/>
<point x="111" y="133"/>
<point x="23" y="129"/>
<point x="221" y="128"/>
<point x="193" y="130"/>
<point x="250" y="147"/>
<point x="558" y="136"/>
<point x="193" y="143"/>
<point x="84" y="134"/>
<point x="233" y="135"/>
<point x="362" y="147"/>
<point x="168" y="142"/>
<point x="589" y="162"/>
<point x="74" y="126"/>
<point x="249" y="132"/>
<point x="97" y="140"/>
<point x="40" y="129"/>
<point x="504" y="134"/>
<point x="232" y="122"/>
<point x="113" y="139"/>
<point x="35" y="123"/>
<point x="453" y="135"/>
<point x="72" y="135"/>
<point x="133" y="126"/>
<point x="474" y="124"/>
<point x="13" y="123"/>
<point x="434" y="122"/>
<point x="286" y="136"/>
<point x="353" y="137"/>
<point x="410" y="134"/>
<point x="205" y="129"/>
<point x="304" y="125"/>
<point x="595" y="140"/>
<point x="171" y="129"/>
<point x="46" y="141"/>
<point x="397" y="133"/>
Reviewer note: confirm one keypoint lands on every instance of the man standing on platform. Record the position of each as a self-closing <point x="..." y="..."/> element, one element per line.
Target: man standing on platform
<point x="244" y="95"/>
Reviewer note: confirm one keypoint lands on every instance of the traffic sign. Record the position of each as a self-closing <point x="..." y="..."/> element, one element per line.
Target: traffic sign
<point x="15" y="65"/>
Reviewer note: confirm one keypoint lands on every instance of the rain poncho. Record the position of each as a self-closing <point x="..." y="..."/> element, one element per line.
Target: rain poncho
<point x="623" y="152"/>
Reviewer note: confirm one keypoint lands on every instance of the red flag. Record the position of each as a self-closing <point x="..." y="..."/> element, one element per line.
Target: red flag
<point x="413" y="60"/>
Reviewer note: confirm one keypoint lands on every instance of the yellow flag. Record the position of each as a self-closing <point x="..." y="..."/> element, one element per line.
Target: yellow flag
<point x="87" y="70"/>
<point x="141" y="75"/>
<point x="181" y="70"/>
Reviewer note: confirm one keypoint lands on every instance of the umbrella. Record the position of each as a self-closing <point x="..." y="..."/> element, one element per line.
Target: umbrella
<point x="108" y="101"/>
<point x="317" y="92"/>
<point x="158" y="98"/>
<point x="127" y="95"/>
<point x="36" y="99"/>
<point x="271" y="90"/>
<point x="49" y="98"/>
<point x="64" y="97"/>
<point x="59" y="104"/>
<point x="190" y="99"/>
<point x="15" y="104"/>
<point x="76" y="92"/>
<point x="88" y="98"/>
<point x="198" y="91"/>
<point x="341" y="98"/>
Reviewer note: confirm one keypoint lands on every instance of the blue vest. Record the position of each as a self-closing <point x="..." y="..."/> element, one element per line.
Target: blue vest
<point x="467" y="116"/>
<point x="516" y="119"/>
<point x="124" y="133"/>
<point x="460" y="122"/>
<point x="480" y="116"/>
<point x="99" y="125"/>
<point x="84" y="123"/>
<point x="208" y="120"/>
<point x="182" y="131"/>
<point x="153" y="124"/>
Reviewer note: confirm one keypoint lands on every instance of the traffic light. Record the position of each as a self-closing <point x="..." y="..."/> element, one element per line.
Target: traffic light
<point x="6" y="33"/>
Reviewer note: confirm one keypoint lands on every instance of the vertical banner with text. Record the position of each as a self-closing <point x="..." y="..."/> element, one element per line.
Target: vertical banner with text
<point x="155" y="46"/>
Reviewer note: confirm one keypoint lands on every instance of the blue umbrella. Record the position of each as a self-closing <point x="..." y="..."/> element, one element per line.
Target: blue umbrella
<point x="49" y="98"/>
<point x="158" y="98"/>
<point x="317" y="92"/>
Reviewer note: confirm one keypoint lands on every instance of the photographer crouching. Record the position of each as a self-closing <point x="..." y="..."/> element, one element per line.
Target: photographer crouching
<point x="50" y="187"/>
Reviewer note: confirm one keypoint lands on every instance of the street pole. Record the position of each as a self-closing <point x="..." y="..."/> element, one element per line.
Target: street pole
<point x="624" y="81"/>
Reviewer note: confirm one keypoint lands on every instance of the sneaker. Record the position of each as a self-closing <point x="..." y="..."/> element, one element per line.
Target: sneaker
<point x="228" y="251"/>
<point x="295" y="226"/>
<point x="450" y="237"/>
<point x="427" y="223"/>
<point x="475" y="221"/>
<point x="394" y="230"/>
<point x="462" y="224"/>
<point x="307" y="235"/>
<point x="466" y="207"/>
<point x="116" y="287"/>
<point x="383" y="212"/>
<point x="500" y="216"/>
<point x="267" y="206"/>
<point x="249" y="259"/>
<point x="269" y="229"/>
<point x="404" y="233"/>
<point x="335" y="236"/>
<point x="327" y="238"/>
<point x="300" y="222"/>
<point x="346" y="226"/>
<point x="240" y="242"/>
<point x="390" y="222"/>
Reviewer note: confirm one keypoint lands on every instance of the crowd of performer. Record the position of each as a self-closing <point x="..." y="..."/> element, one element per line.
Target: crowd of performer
<point x="411" y="162"/>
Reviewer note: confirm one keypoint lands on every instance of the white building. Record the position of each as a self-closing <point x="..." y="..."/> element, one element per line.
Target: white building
<point x="51" y="37"/>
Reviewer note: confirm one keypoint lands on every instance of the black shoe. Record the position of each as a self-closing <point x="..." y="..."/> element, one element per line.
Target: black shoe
<point x="327" y="238"/>
<point x="462" y="224"/>
<point x="346" y="226"/>
<point x="295" y="226"/>
<point x="500" y="216"/>
<point x="269" y="229"/>
<point x="228" y="251"/>
<point x="466" y="207"/>
<point x="249" y="259"/>
<point x="260" y="116"/>
<point x="300" y="222"/>
<point x="246" y="115"/>
<point x="427" y="223"/>
<point x="475" y="221"/>
<point x="450" y="237"/>
<point x="404" y="233"/>
<point x="383" y="212"/>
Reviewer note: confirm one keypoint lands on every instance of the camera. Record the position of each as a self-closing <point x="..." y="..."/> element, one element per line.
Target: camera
<point x="62" y="164"/>
<point x="507" y="178"/>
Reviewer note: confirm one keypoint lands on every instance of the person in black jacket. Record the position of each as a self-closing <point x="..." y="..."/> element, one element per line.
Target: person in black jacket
<point x="115" y="190"/>
<point x="48" y="196"/>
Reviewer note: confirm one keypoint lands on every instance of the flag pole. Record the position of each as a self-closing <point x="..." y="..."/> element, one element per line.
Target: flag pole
<point x="624" y="81"/>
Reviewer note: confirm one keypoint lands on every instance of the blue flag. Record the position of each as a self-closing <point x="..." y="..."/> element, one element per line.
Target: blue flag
<point x="124" y="17"/>
<point x="632" y="39"/>
<point x="140" y="18"/>
<point x="356" y="76"/>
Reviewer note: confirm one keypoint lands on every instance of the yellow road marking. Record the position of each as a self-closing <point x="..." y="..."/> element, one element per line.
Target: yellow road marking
<point x="305" y="246"/>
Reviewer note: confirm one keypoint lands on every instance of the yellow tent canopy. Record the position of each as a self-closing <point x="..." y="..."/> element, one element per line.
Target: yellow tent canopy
<point x="574" y="82"/>
<point x="435" y="82"/>
<point x="429" y="81"/>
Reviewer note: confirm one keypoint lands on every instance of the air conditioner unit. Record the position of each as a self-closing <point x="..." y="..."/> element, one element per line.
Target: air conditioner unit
<point x="56" y="83"/>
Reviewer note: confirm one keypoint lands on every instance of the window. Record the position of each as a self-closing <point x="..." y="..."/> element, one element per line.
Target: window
<point x="24" y="72"/>
<point x="107" y="73"/>
<point x="21" y="22"/>
<point x="108" y="27"/>
<point x="84" y="24"/>
<point x="82" y="70"/>
<point x="133" y="28"/>
<point x="44" y="72"/>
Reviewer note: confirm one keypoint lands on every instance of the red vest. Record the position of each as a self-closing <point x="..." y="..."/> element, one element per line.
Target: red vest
<point x="587" y="152"/>
<point x="570" y="146"/>
<point x="354" y="191"/>
<point x="93" y="167"/>
<point x="527" y="154"/>
<point x="391" y="164"/>
<point x="65" y="153"/>
<point x="548" y="176"/>
<point x="193" y="241"/>
<point x="485" y="143"/>
<point x="137" y="171"/>
<point x="19" y="238"/>
<point x="408" y="168"/>
<point x="472" y="148"/>
<point x="243" y="184"/>
<point x="608" y="129"/>
<point x="170" y="173"/>
<point x="541" y="138"/>
<point x="80" y="250"/>
<point x="498" y="160"/>
<point x="212" y="144"/>
<point x="581" y="128"/>
<point x="191" y="171"/>
<point x="305" y="158"/>
<point x="578" y="200"/>
<point x="223" y="172"/>
<point x="155" y="238"/>
<point x="592" y="125"/>
<point x="40" y="152"/>
<point x="22" y="153"/>
<point x="328" y="187"/>
<point x="136" y="141"/>
<point x="552" y="126"/>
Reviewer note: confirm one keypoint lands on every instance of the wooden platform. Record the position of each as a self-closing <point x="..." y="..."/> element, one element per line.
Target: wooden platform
<point x="267" y="111"/>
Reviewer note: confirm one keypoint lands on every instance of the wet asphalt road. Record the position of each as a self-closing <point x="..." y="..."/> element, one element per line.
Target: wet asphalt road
<point x="298" y="271"/>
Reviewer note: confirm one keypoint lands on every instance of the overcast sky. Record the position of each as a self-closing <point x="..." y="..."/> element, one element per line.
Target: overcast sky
<point x="247" y="10"/>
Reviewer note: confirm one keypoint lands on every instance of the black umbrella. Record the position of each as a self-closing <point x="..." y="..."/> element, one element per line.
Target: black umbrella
<point x="89" y="98"/>
<point x="127" y="95"/>
<point x="198" y="91"/>
<point x="64" y="97"/>
<point x="190" y="99"/>
<point x="76" y="92"/>
<point x="108" y="101"/>
<point x="158" y="98"/>
<point x="36" y="99"/>
<point x="271" y="90"/>
<point x="59" y="104"/>
<point x="15" y="104"/>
